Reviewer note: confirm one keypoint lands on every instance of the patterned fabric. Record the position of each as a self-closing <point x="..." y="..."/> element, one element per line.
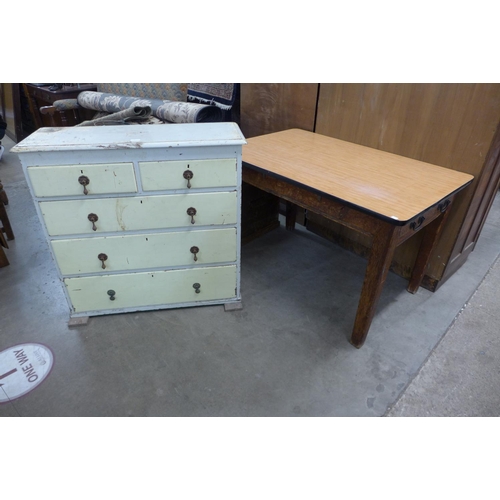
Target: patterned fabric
<point x="187" y="112"/>
<point x="221" y="95"/>
<point x="171" y="111"/>
<point x="163" y="91"/>
<point x="66" y="104"/>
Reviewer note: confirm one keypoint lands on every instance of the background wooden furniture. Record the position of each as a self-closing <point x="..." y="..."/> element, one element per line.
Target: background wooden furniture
<point x="41" y="96"/>
<point x="130" y="228"/>
<point x="13" y="108"/>
<point x="451" y="125"/>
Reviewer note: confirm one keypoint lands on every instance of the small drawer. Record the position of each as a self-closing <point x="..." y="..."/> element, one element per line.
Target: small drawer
<point x="180" y="286"/>
<point x="79" y="180"/>
<point x="94" y="216"/>
<point x="420" y="222"/>
<point x="187" y="174"/>
<point x="144" y="251"/>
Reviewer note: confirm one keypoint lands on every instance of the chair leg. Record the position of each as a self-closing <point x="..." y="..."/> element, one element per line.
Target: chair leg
<point x="3" y="195"/>
<point x="3" y="242"/>
<point x="4" y="218"/>
<point x="3" y="258"/>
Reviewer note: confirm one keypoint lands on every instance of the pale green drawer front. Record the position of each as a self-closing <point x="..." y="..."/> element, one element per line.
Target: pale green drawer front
<point x="63" y="180"/>
<point x="142" y="251"/>
<point x="151" y="289"/>
<point x="159" y="175"/>
<point x="137" y="213"/>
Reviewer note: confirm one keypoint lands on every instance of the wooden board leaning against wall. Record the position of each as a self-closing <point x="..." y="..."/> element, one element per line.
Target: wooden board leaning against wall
<point x="451" y="125"/>
<point x="267" y="108"/>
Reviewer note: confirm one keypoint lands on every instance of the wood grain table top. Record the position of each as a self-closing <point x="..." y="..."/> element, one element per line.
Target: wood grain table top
<point x="387" y="185"/>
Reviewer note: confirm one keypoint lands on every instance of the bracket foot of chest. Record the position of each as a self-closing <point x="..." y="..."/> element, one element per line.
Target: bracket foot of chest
<point x="233" y="306"/>
<point x="81" y="321"/>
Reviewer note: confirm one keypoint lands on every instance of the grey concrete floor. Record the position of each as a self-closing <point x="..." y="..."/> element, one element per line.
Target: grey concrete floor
<point x="284" y="354"/>
<point x="461" y="377"/>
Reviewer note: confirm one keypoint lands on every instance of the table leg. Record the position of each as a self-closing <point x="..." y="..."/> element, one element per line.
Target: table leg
<point x="431" y="234"/>
<point x="381" y="253"/>
<point x="291" y="215"/>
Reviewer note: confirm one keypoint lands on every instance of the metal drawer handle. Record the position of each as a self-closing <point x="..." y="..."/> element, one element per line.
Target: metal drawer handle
<point x="93" y="218"/>
<point x="111" y="294"/>
<point x="102" y="257"/>
<point x="442" y="207"/>
<point x="84" y="181"/>
<point x="418" y="223"/>
<point x="188" y="175"/>
<point x="194" y="251"/>
<point x="196" y="287"/>
<point x="191" y="212"/>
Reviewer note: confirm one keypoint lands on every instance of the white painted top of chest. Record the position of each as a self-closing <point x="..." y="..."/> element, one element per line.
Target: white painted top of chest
<point x="131" y="136"/>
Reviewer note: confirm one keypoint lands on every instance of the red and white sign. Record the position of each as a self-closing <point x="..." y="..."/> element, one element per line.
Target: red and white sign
<point x="23" y="367"/>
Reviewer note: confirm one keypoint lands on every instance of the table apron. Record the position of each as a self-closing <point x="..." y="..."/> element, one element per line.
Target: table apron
<point x="422" y="220"/>
<point x="316" y="203"/>
<point x="337" y="211"/>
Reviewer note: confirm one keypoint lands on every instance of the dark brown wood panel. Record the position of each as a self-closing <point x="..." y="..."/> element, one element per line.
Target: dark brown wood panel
<point x="271" y="107"/>
<point x="486" y="188"/>
<point x="266" y="108"/>
<point x="11" y="110"/>
<point x="41" y="97"/>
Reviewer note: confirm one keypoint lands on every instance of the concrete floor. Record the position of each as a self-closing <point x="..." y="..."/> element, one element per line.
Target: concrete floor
<point x="461" y="378"/>
<point x="285" y="354"/>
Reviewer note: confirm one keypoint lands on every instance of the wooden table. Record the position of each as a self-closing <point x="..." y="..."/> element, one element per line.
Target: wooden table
<point x="383" y="195"/>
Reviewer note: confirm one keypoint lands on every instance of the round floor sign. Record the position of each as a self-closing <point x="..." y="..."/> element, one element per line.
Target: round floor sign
<point x="23" y="367"/>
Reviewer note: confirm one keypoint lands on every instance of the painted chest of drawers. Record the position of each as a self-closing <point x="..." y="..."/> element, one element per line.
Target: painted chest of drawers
<point x="140" y="217"/>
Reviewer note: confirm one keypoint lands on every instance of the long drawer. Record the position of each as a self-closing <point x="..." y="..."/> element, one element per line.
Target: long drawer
<point x="136" y="213"/>
<point x="75" y="180"/>
<point x="143" y="251"/>
<point x="160" y="175"/>
<point x="98" y="293"/>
